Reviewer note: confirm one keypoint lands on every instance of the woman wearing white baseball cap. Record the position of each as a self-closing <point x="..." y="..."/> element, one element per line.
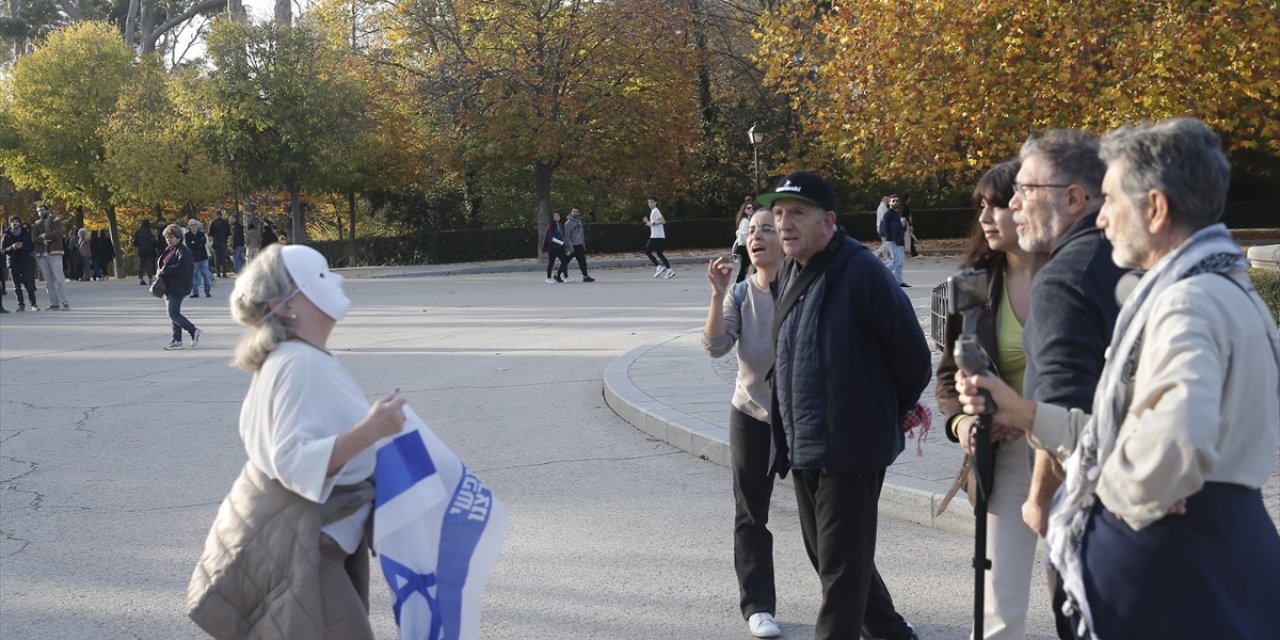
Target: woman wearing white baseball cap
<point x="305" y="495"/>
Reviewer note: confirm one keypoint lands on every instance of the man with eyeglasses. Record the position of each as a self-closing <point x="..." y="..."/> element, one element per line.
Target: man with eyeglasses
<point x="1056" y="200"/>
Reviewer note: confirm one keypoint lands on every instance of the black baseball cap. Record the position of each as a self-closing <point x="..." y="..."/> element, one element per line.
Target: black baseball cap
<point x="804" y="186"/>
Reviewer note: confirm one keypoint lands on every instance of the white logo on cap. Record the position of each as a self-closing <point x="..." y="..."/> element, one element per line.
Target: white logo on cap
<point x="788" y="187"/>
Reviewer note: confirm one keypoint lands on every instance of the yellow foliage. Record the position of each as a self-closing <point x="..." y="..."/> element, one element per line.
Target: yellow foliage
<point x="906" y="88"/>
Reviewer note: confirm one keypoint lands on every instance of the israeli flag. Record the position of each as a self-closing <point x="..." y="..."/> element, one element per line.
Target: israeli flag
<point x="438" y="533"/>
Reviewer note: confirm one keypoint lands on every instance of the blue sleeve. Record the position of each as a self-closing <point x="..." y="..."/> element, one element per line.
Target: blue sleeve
<point x="1074" y="315"/>
<point x="892" y="319"/>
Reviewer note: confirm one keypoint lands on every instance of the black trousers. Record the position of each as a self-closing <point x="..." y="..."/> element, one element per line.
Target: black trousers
<point x="220" y="259"/>
<point x="838" y="520"/>
<point x="580" y="252"/>
<point x="557" y="251"/>
<point x="749" y="443"/>
<point x="146" y="265"/>
<point x="656" y="245"/>
<point x="24" y="277"/>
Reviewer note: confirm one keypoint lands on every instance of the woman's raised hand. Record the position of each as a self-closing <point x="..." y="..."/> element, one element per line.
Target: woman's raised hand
<point x="719" y="272"/>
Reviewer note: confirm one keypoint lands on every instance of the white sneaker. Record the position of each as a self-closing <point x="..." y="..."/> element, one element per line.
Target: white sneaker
<point x="762" y="625"/>
<point x="195" y="338"/>
<point x="568" y="279"/>
<point x="658" y="271"/>
<point x="174" y="346"/>
<point x="670" y="273"/>
<point x="549" y="281"/>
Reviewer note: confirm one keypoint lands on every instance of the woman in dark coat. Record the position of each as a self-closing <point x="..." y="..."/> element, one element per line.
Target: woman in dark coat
<point x="176" y="269"/>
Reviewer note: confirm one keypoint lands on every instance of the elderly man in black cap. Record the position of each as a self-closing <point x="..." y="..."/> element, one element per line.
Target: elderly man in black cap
<point x="850" y="363"/>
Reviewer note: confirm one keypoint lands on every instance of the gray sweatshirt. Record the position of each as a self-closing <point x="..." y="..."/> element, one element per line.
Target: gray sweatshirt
<point x="751" y="327"/>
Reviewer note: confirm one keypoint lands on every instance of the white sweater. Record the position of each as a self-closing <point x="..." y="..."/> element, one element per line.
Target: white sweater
<point x="297" y="404"/>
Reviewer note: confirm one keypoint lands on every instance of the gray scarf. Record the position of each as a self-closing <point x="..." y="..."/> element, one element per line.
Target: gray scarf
<point x="1210" y="250"/>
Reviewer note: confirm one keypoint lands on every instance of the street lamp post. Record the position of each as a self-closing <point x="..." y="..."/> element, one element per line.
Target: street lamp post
<point x="757" y="138"/>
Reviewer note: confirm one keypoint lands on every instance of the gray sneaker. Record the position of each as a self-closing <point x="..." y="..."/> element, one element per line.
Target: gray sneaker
<point x="176" y="345"/>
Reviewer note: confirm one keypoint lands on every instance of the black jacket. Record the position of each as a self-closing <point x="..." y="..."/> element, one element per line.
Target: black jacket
<point x="198" y="243"/>
<point x="21" y="256"/>
<point x="1073" y="312"/>
<point x="177" y="271"/>
<point x="145" y="243"/>
<point x="851" y="359"/>
<point x="892" y="229"/>
<point x="219" y="230"/>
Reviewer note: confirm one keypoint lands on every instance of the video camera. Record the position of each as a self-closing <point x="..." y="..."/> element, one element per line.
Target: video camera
<point x="966" y="295"/>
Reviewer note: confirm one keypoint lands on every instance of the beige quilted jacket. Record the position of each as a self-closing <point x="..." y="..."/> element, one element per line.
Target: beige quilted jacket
<point x="259" y="575"/>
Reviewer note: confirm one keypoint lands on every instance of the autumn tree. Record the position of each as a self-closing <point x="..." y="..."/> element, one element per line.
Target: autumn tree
<point x="596" y="89"/>
<point x="283" y="108"/>
<point x="152" y="154"/>
<point x="943" y="89"/>
<point x="61" y="98"/>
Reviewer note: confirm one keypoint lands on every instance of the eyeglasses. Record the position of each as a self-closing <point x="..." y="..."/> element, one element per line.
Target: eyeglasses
<point x="1021" y="189"/>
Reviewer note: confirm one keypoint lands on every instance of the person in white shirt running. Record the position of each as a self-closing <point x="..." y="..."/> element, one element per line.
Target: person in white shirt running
<point x="657" y="241"/>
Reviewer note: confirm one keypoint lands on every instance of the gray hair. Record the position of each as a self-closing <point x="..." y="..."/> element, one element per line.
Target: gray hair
<point x="1073" y="154"/>
<point x="264" y="281"/>
<point x="1181" y="157"/>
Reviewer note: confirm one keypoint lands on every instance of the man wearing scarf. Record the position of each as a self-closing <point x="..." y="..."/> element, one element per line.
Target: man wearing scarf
<point x="1160" y="530"/>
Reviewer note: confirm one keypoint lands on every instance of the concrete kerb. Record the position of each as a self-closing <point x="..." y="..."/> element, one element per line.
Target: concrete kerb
<point x="901" y="497"/>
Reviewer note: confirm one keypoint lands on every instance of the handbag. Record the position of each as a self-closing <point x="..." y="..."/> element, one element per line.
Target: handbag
<point x="158" y="287"/>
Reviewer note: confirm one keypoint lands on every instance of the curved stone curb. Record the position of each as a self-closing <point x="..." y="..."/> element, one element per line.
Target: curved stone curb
<point x="898" y="497"/>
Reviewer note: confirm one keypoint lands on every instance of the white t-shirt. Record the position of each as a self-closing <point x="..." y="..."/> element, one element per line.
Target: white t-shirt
<point x="656" y="230"/>
<point x="297" y="404"/>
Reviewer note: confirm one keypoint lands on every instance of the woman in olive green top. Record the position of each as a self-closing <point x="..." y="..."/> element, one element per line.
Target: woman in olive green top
<point x="1010" y="543"/>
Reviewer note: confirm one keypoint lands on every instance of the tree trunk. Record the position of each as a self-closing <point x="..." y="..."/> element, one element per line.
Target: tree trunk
<point x="79" y="218"/>
<point x="235" y="8"/>
<point x="146" y="26"/>
<point x="114" y="230"/>
<point x="131" y="23"/>
<point x="474" y="198"/>
<point x="284" y="13"/>
<point x="298" y="230"/>
<point x="542" y="180"/>
<point x="351" y="239"/>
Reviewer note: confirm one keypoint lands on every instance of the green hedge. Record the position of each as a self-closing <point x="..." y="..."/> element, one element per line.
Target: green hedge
<point x="1267" y="282"/>
<point x="472" y="245"/>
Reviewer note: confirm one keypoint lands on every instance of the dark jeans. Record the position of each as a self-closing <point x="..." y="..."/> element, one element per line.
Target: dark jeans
<point x="557" y="251"/>
<point x="24" y="277"/>
<point x="580" y="252"/>
<point x="180" y="322"/>
<point x="656" y="245"/>
<point x="146" y="266"/>
<point x="838" y="521"/>
<point x="220" y="259"/>
<point x="749" y="444"/>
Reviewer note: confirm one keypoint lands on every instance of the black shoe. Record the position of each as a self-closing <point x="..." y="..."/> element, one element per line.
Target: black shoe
<point x="207" y="295"/>
<point x="194" y="295"/>
<point x="904" y="285"/>
<point x="558" y="278"/>
<point x="588" y="279"/>
<point x="142" y="283"/>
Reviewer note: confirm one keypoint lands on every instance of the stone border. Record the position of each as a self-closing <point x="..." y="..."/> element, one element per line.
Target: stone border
<point x="898" y="498"/>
